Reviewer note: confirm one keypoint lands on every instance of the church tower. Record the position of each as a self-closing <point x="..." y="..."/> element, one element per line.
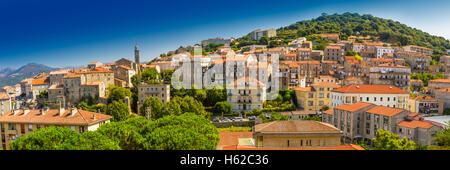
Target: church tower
<point x="136" y="59"/>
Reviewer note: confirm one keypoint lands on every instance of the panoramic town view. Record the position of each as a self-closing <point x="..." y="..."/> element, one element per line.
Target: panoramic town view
<point x="329" y="80"/>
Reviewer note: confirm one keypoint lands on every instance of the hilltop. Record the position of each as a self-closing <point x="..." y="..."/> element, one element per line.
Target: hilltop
<point x="354" y="24"/>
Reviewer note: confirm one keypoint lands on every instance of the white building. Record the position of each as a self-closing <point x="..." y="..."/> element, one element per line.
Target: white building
<point x="384" y="50"/>
<point x="384" y="95"/>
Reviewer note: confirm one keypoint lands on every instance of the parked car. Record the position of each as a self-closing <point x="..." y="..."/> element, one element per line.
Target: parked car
<point x="252" y="118"/>
<point x="216" y="119"/>
<point x="225" y="120"/>
<point x="238" y="119"/>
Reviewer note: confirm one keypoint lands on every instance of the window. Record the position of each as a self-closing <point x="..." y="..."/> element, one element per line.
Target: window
<point x="30" y="128"/>
<point x="310" y="103"/>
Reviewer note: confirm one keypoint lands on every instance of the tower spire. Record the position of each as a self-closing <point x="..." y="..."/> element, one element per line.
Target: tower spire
<point x="137" y="59"/>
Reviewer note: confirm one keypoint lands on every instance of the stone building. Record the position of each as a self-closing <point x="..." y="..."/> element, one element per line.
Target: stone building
<point x="23" y="122"/>
<point x="245" y="94"/>
<point x="315" y="96"/>
<point x="160" y="91"/>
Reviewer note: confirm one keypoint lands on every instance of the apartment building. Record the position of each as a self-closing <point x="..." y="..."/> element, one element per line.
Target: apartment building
<point x="390" y="74"/>
<point x="295" y="134"/>
<point x="418" y="49"/>
<point x="315" y="96"/>
<point x="309" y="69"/>
<point x="384" y="95"/>
<point x="360" y="121"/>
<point x="38" y="86"/>
<point x="160" y="91"/>
<point x="23" y="122"/>
<point x="426" y="105"/>
<point x="217" y="40"/>
<point x="245" y="94"/>
<point x="419" y="63"/>
<point x="122" y="76"/>
<point x="443" y="94"/>
<point x="419" y="131"/>
<point x="56" y="77"/>
<point x="334" y="53"/>
<point x="436" y="84"/>
<point x="5" y="103"/>
<point x="381" y="50"/>
<point x="257" y="34"/>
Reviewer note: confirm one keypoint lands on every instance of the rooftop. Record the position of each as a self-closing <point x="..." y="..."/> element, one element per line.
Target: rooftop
<point x="296" y="126"/>
<point x="415" y="124"/>
<point x="383" y="89"/>
<point x="385" y="111"/>
<point x="353" y="107"/>
<point x="81" y="117"/>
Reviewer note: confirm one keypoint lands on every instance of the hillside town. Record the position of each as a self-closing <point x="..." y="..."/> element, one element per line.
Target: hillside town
<point x="328" y="98"/>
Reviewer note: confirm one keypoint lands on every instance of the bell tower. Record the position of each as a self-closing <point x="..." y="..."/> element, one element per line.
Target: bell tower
<point x="136" y="59"/>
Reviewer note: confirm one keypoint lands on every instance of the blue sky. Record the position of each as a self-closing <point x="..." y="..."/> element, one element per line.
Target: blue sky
<point x="73" y="33"/>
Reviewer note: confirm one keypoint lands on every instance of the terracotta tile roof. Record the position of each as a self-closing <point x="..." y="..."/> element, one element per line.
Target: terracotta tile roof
<point x="232" y="138"/>
<point x="56" y="86"/>
<point x="440" y="81"/>
<point x="391" y="65"/>
<point x="385" y="111"/>
<point x="305" y="89"/>
<point x="329" y="111"/>
<point x="296" y="126"/>
<point x="81" y="117"/>
<point x="353" y="107"/>
<point x="338" y="147"/>
<point x="40" y="81"/>
<point x="69" y="76"/>
<point x="333" y="47"/>
<point x="325" y="84"/>
<point x="384" y="89"/>
<point x="97" y="70"/>
<point x="421" y="98"/>
<point x="415" y="124"/>
<point x="413" y="114"/>
<point x="4" y="96"/>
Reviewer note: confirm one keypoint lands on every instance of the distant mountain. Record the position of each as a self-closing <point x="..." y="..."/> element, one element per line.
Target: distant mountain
<point x="6" y="71"/>
<point x="11" y="77"/>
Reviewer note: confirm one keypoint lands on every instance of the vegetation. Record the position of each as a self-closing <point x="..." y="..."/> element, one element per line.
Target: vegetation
<point x="386" y="140"/>
<point x="235" y="129"/>
<point x="442" y="140"/>
<point x="273" y="117"/>
<point x="348" y="24"/>
<point x="184" y="132"/>
<point x="118" y="110"/>
<point x="58" y="138"/>
<point x="222" y="108"/>
<point x="425" y="77"/>
<point x="283" y="102"/>
<point x="176" y="106"/>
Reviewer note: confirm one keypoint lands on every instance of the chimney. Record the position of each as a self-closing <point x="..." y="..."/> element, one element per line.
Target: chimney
<point x="16" y="112"/>
<point x="73" y="111"/>
<point x="42" y="111"/>
<point x="60" y="109"/>
<point x="26" y="111"/>
<point x="93" y="116"/>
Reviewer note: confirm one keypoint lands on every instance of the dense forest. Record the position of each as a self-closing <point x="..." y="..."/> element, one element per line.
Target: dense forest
<point x="348" y="24"/>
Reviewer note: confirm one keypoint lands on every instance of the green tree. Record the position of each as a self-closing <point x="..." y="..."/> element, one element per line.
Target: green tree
<point x="185" y="132"/>
<point x="118" y="110"/>
<point x="59" y="138"/>
<point x="118" y="94"/>
<point x="149" y="74"/>
<point x="221" y="108"/>
<point x="156" y="107"/>
<point x="386" y="140"/>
